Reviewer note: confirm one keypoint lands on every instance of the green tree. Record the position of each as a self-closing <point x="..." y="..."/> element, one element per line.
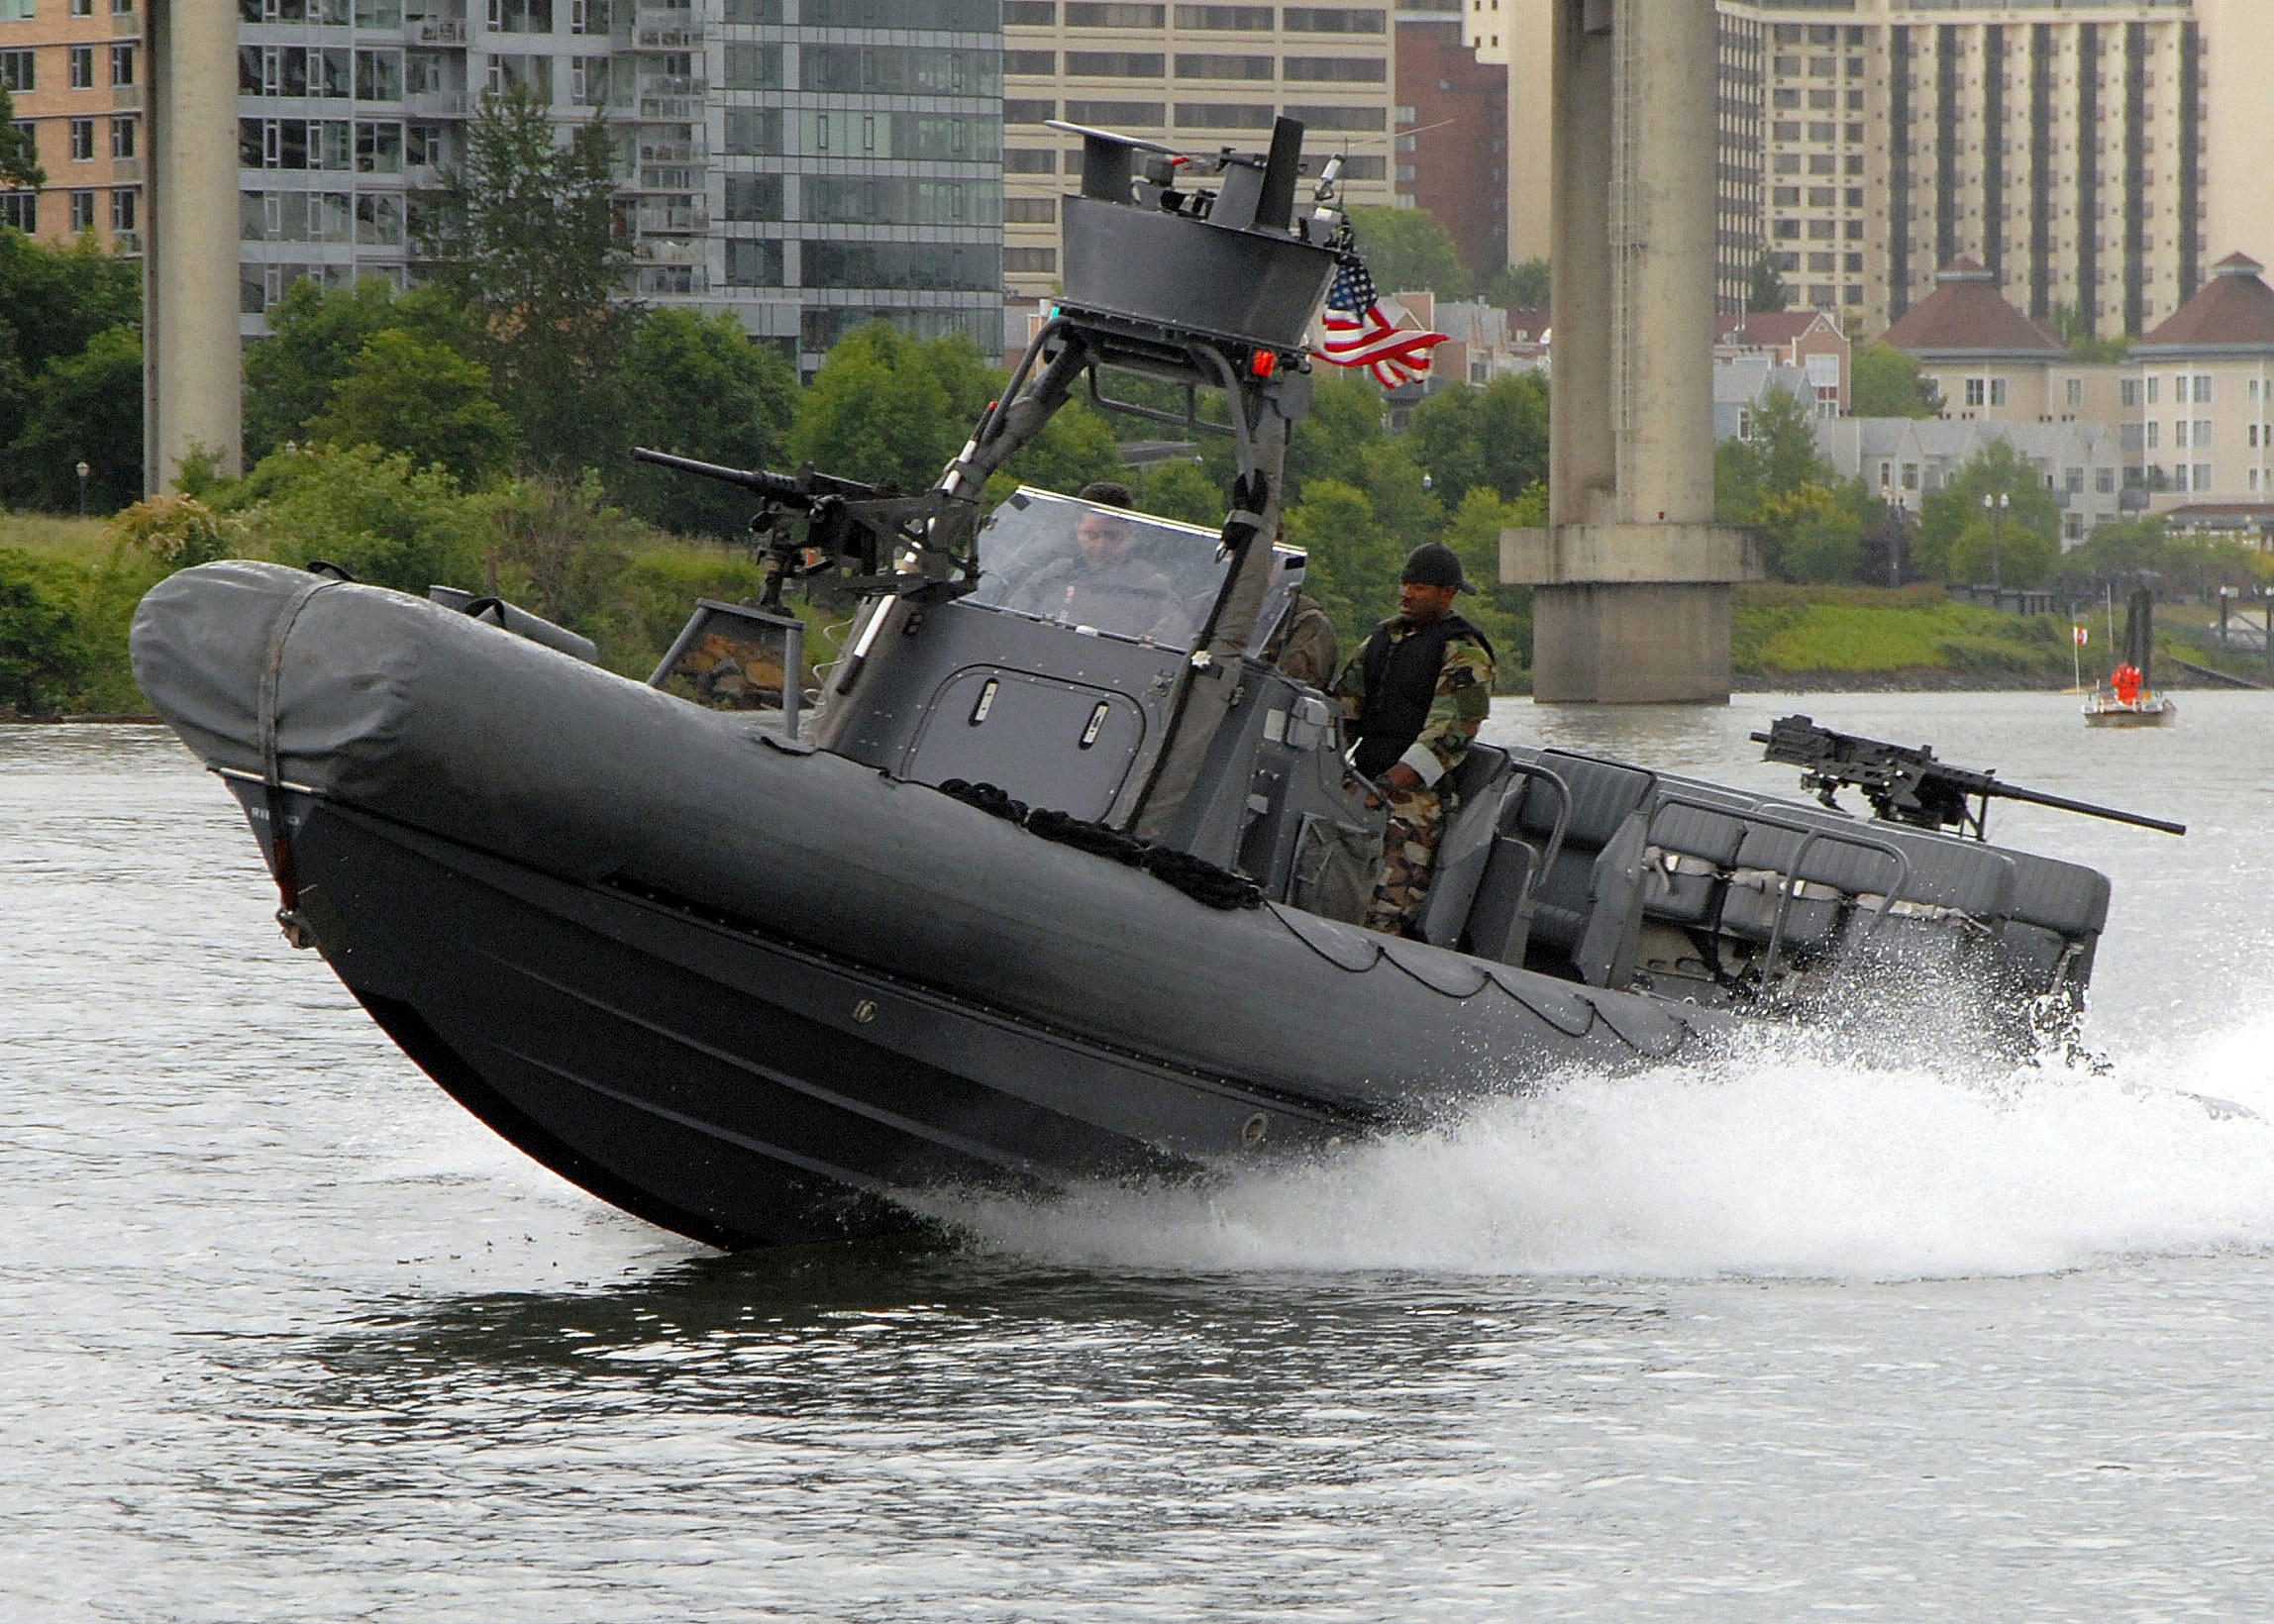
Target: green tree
<point x="888" y="407"/>
<point x="1181" y="490"/>
<point x="1405" y="249"/>
<point x="1354" y="561"/>
<point x="84" y="408"/>
<point x="558" y="548"/>
<point x="1767" y="291"/>
<point x="375" y="513"/>
<point x="1777" y="458"/>
<point x="1495" y="437"/>
<point x="1346" y="413"/>
<point x="523" y="240"/>
<point x="1521" y="288"/>
<point x="38" y="638"/>
<point x="1075" y="447"/>
<point x="699" y="387"/>
<point x="2010" y="554"/>
<point x="315" y="336"/>
<point x="18" y="154"/>
<point x="1946" y="514"/>
<point x="1503" y="613"/>
<point x="1813" y="533"/>
<point x="1884" y="381"/>
<point x="54" y="300"/>
<point x="424" y="400"/>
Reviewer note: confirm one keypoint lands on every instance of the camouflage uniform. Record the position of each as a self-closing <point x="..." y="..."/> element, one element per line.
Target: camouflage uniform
<point x="1456" y="709"/>
<point x="1305" y="647"/>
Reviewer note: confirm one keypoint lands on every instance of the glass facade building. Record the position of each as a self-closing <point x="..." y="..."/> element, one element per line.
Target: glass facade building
<point x="807" y="164"/>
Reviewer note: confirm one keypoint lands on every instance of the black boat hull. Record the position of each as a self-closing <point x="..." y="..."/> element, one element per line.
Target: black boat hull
<point x="739" y="1089"/>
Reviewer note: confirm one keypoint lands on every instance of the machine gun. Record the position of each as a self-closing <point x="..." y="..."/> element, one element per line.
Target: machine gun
<point x="1906" y="784"/>
<point x="863" y="527"/>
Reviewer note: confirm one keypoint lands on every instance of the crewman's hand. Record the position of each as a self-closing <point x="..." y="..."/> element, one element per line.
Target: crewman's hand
<point x="1402" y="776"/>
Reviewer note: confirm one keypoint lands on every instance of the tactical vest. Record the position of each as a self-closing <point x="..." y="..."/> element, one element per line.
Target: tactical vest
<point x="1400" y="685"/>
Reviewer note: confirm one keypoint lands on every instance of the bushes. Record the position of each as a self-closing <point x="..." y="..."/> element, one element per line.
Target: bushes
<point x="40" y="652"/>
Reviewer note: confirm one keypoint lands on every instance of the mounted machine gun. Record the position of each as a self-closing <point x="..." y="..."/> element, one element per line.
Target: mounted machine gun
<point x="1906" y="784"/>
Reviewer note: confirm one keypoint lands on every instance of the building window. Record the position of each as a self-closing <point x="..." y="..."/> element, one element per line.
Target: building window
<point x="2203" y="389"/>
<point x="122" y="138"/>
<point x="2152" y="428"/>
<point x="82" y="140"/>
<point x="2127" y="391"/>
<point x="21" y="210"/>
<point x="1977" y="391"/>
<point x="2202" y="434"/>
<point x="81" y="63"/>
<point x="14" y="11"/>
<point x="121" y="65"/>
<point x="121" y="210"/>
<point x="2076" y="391"/>
<point x="1079" y="14"/>
<point x="2202" y="476"/>
<point x="82" y="211"/>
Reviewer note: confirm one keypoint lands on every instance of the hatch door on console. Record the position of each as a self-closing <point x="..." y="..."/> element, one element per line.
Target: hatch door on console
<point x="1046" y="742"/>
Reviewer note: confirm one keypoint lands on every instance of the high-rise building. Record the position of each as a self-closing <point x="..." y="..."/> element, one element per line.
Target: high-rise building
<point x="1199" y="77"/>
<point x="73" y="69"/>
<point x="1452" y="156"/>
<point x="807" y="164"/>
<point x="2096" y="158"/>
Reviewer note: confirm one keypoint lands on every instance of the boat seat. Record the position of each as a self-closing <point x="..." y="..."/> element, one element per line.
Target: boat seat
<point x="1609" y="942"/>
<point x="1952" y="902"/>
<point x="1604" y="795"/>
<point x="1687" y="858"/>
<point x="2053" y="919"/>
<point x="1826" y="875"/>
<point x="1480" y="787"/>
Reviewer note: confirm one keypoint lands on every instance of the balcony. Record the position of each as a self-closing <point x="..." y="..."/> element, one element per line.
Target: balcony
<point x="126" y="242"/>
<point x="666" y="250"/>
<point x="434" y="104"/>
<point x="672" y="279"/>
<point x="445" y="30"/>
<point x="670" y="109"/>
<point x="681" y="221"/>
<point x="679" y="36"/>
<point x="674" y="152"/>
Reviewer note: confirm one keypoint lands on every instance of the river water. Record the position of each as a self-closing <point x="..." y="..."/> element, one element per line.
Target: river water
<point x="286" y="1336"/>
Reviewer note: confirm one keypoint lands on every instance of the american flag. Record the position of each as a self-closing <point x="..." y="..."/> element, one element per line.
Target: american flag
<point x="1368" y="328"/>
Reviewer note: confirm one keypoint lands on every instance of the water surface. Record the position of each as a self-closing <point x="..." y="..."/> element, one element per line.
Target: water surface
<point x="1799" y="1332"/>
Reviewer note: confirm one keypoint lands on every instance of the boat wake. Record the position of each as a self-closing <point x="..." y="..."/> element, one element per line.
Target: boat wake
<point x="1782" y="1162"/>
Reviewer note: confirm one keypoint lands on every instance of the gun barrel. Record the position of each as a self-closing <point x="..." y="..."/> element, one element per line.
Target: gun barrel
<point x="2037" y="797"/>
<point x="778" y="486"/>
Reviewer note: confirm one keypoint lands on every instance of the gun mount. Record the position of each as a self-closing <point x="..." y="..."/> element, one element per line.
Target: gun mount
<point x="1906" y="784"/>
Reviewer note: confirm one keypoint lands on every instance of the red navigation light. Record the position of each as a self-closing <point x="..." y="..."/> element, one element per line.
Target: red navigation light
<point x="1263" y="363"/>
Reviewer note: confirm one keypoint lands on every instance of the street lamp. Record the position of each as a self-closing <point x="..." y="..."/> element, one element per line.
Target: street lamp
<point x="1996" y="506"/>
<point x="84" y="470"/>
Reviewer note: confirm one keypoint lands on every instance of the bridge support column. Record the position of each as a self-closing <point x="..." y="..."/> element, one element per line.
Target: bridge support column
<point x="192" y="372"/>
<point x="1632" y="579"/>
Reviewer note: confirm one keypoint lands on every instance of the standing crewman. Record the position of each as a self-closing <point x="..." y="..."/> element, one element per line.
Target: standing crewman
<point x="1415" y="696"/>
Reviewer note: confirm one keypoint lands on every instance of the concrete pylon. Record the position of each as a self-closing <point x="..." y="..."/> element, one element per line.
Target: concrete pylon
<point x="192" y="371"/>
<point x="1632" y="577"/>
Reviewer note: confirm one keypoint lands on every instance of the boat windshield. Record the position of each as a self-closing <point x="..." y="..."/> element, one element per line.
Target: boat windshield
<point x="1106" y="570"/>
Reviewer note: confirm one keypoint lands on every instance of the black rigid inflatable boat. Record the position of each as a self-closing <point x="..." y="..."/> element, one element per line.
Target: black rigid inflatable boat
<point x="1027" y="898"/>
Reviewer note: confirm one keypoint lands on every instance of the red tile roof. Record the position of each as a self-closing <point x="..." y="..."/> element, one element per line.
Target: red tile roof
<point x="1766" y="329"/>
<point x="2233" y="307"/>
<point x="1967" y="312"/>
